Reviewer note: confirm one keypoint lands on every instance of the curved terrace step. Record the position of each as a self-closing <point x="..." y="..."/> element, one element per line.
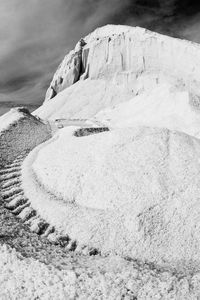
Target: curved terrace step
<point x="15" y="201"/>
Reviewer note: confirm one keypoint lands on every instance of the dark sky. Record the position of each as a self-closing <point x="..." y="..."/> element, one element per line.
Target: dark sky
<point x="36" y="34"/>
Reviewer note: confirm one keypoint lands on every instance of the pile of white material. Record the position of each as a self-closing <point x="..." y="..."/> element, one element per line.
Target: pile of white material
<point x="131" y="191"/>
<point x="29" y="279"/>
<point x="117" y="63"/>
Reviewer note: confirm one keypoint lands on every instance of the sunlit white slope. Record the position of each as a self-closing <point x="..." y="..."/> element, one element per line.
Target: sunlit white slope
<point x="117" y="63"/>
<point x="164" y="106"/>
<point x="83" y="100"/>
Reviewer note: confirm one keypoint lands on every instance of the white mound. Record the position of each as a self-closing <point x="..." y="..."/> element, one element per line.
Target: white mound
<point x="114" y="64"/>
<point x="130" y="191"/>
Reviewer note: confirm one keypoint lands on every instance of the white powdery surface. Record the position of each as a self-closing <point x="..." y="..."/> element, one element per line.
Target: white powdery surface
<point x="29" y="279"/>
<point x="84" y="99"/>
<point x="164" y="106"/>
<point x="130" y="191"/>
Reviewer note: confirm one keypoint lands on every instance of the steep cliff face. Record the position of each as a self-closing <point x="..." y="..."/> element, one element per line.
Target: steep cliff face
<point x="77" y="63"/>
<point x="68" y="72"/>
<point x="129" y="53"/>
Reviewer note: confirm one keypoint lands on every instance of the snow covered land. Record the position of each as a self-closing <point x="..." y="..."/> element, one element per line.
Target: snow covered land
<point x="106" y="174"/>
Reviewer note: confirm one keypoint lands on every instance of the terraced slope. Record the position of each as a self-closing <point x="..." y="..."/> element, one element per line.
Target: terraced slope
<point x="15" y="201"/>
<point x="94" y="277"/>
